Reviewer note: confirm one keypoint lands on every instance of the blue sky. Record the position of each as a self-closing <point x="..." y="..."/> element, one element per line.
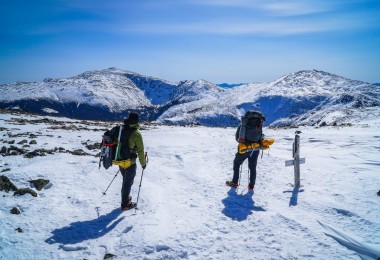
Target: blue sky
<point x="217" y="40"/>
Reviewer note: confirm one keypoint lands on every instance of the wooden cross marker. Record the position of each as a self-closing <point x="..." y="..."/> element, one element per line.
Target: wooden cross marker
<point x="296" y="160"/>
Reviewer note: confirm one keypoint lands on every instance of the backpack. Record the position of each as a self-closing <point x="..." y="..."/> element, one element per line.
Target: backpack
<point x="110" y="150"/>
<point x="251" y="129"/>
<point x="107" y="151"/>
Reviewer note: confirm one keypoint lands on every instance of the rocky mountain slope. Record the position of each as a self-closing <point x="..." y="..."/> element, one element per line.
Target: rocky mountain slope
<point x="307" y="97"/>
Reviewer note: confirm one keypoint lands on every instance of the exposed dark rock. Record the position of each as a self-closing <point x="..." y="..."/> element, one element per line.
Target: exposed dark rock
<point x="39" y="184"/>
<point x="15" y="211"/>
<point x="33" y="142"/>
<point x="34" y="154"/>
<point x="38" y="152"/>
<point x="3" y="150"/>
<point x="11" y="142"/>
<point x="108" y="256"/>
<point x="19" y="230"/>
<point x="26" y="134"/>
<point x="14" y="150"/>
<point x="70" y="127"/>
<point x="59" y="149"/>
<point x="5" y="170"/>
<point x="78" y="152"/>
<point x="378" y="194"/>
<point x="23" y="142"/>
<point x="6" y="184"/>
<point x="22" y="121"/>
<point x="94" y="146"/>
<point x="24" y="191"/>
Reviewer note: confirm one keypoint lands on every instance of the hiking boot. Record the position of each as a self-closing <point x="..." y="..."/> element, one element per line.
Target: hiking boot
<point x="130" y="205"/>
<point x="125" y="205"/>
<point x="250" y="187"/>
<point x="232" y="184"/>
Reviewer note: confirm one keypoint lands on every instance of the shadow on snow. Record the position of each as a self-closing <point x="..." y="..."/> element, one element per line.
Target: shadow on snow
<point x="294" y="198"/>
<point x="239" y="206"/>
<point x="84" y="230"/>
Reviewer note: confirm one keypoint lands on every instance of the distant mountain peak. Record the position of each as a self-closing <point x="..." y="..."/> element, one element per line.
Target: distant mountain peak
<point x="314" y="78"/>
<point x="312" y="74"/>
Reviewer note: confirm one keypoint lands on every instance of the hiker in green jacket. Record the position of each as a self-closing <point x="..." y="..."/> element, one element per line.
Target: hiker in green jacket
<point x="130" y="135"/>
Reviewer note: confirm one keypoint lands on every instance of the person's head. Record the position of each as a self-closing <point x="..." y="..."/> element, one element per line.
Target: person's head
<point x="132" y="119"/>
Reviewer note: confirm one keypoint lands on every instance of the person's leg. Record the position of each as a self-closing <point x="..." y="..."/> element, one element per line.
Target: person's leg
<point x="252" y="162"/>
<point x="128" y="177"/>
<point x="239" y="159"/>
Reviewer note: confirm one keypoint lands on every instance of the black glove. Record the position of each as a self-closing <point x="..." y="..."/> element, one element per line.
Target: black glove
<point x="144" y="167"/>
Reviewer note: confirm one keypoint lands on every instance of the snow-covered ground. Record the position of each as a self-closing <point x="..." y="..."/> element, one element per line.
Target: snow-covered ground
<point x="185" y="210"/>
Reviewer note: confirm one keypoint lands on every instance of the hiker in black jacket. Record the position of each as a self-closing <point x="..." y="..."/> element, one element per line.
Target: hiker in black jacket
<point x="249" y="134"/>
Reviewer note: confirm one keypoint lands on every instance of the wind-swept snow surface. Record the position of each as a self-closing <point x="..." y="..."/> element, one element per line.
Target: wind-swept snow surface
<point x="185" y="210"/>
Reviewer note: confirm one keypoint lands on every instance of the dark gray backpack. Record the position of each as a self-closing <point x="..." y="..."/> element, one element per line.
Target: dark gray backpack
<point x="107" y="152"/>
<point x="251" y="129"/>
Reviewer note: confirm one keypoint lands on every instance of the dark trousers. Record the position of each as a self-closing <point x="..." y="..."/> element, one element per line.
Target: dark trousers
<point x="252" y="162"/>
<point x="128" y="177"/>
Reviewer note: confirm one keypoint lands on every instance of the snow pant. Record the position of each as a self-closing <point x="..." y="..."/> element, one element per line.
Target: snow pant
<point x="252" y="162"/>
<point x="128" y="177"/>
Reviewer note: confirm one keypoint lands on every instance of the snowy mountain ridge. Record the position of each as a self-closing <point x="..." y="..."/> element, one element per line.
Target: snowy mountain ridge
<point x="309" y="97"/>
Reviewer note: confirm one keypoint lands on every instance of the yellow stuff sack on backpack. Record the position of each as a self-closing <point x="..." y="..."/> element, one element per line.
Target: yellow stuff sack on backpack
<point x="267" y="142"/>
<point x="245" y="148"/>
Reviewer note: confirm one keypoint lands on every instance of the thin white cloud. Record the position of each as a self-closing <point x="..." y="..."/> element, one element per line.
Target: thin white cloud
<point x="273" y="7"/>
<point x="268" y="28"/>
<point x="256" y="23"/>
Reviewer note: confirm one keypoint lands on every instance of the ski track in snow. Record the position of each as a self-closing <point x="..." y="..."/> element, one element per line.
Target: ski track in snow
<point x="185" y="210"/>
<point x="364" y="250"/>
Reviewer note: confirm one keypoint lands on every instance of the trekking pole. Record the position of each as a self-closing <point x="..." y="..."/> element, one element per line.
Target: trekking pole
<point x="104" y="193"/>
<point x="142" y="173"/>
<point x="241" y="169"/>
<point x="249" y="175"/>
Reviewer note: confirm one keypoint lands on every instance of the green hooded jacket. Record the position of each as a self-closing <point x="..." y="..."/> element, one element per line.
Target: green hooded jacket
<point x="136" y="145"/>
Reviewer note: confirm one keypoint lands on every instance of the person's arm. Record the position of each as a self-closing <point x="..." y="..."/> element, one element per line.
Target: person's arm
<point x="139" y="145"/>
<point x="237" y="134"/>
